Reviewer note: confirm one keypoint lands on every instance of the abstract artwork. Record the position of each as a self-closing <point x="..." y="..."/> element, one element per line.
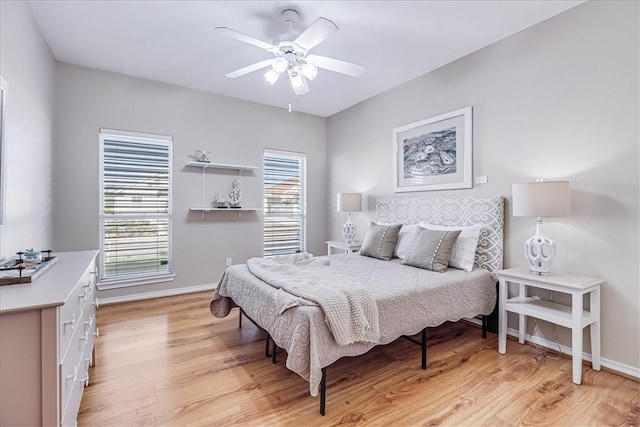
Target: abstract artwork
<point x="434" y="154"/>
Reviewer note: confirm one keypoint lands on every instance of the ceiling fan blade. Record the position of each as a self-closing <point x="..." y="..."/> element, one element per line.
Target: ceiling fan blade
<point x="249" y="68"/>
<point x="337" y="65"/>
<point x="244" y="38"/>
<point x="316" y="33"/>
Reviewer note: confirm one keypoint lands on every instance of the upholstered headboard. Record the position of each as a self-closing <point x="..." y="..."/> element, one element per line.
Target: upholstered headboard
<point x="488" y="211"/>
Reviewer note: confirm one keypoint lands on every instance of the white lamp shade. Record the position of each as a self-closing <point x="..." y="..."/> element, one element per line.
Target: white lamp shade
<point x="542" y="199"/>
<point x="349" y="202"/>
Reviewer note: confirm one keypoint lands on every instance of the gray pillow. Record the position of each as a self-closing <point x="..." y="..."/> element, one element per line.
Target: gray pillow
<point x="432" y="249"/>
<point x="380" y="241"/>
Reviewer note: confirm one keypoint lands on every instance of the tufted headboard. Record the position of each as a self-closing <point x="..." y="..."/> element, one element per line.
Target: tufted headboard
<point x="467" y="210"/>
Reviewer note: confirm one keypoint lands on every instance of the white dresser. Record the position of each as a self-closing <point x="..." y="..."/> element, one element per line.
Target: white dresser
<point x="47" y="336"/>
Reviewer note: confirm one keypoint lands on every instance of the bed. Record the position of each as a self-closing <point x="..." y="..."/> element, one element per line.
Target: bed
<point x="408" y="299"/>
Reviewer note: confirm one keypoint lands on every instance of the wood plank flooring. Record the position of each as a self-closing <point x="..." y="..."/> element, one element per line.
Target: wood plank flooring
<point x="168" y="361"/>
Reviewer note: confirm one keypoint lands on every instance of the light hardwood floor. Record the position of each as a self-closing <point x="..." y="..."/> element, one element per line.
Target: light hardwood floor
<point x="168" y="361"/>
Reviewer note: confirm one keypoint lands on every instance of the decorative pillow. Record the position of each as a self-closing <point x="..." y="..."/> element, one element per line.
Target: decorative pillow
<point x="432" y="249"/>
<point x="405" y="241"/>
<point x="380" y="241"/>
<point x="464" y="250"/>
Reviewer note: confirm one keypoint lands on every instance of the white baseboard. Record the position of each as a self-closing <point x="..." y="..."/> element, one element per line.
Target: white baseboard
<point x="158" y="294"/>
<point x="552" y="346"/>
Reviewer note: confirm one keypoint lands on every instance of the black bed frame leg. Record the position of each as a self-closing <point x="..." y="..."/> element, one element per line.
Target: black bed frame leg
<point x="323" y="391"/>
<point x="240" y="319"/>
<point x="484" y="326"/>
<point x="266" y="346"/>
<point x="274" y="354"/>
<point x="423" y="346"/>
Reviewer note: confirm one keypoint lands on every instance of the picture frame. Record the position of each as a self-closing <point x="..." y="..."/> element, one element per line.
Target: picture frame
<point x="435" y="153"/>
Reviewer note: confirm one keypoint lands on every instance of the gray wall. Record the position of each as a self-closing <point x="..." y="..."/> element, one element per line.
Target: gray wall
<point x="557" y="101"/>
<point x="29" y="68"/>
<point x="232" y="129"/>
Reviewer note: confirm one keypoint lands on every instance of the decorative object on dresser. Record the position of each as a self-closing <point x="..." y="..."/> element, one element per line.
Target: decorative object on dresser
<point x="26" y="266"/>
<point x="434" y="154"/>
<point x="349" y="202"/>
<point x="47" y="335"/>
<point x="541" y="199"/>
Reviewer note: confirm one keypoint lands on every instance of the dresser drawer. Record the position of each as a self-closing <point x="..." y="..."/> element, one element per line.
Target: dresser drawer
<point x="71" y="312"/>
<point x="71" y="368"/>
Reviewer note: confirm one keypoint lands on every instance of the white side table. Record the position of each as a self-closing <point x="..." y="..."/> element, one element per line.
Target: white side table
<point x="347" y="247"/>
<point x="573" y="317"/>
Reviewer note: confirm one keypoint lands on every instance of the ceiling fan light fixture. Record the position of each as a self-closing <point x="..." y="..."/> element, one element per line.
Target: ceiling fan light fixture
<point x="310" y="71"/>
<point x="280" y="65"/>
<point x="296" y="81"/>
<point x="271" y="77"/>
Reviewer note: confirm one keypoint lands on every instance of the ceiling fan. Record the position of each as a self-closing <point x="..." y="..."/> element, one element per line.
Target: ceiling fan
<point x="292" y="56"/>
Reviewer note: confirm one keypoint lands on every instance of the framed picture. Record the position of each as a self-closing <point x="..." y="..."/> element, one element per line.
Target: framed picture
<point x="434" y="154"/>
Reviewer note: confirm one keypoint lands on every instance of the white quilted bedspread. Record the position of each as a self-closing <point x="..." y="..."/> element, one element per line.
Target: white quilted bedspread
<point x="408" y="299"/>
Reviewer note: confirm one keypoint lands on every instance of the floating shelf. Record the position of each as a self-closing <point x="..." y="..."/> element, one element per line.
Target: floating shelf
<point x="223" y="209"/>
<point x="205" y="165"/>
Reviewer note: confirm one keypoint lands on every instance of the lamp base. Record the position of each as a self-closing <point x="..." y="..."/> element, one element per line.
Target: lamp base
<point x="349" y="230"/>
<point x="540" y="251"/>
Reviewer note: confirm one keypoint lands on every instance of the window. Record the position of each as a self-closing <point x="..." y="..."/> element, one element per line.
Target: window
<point x="284" y="203"/>
<point x="135" y="206"/>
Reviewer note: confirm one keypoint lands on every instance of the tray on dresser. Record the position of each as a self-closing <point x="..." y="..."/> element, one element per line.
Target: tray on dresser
<point x="16" y="270"/>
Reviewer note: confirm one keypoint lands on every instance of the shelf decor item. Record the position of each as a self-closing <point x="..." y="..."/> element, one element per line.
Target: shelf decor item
<point x="541" y="199"/>
<point x="202" y="156"/>
<point x="349" y="202"/>
<point x="236" y="193"/>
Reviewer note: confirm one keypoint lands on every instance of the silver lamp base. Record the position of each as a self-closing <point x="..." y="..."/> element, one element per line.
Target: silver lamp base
<point x="539" y="251"/>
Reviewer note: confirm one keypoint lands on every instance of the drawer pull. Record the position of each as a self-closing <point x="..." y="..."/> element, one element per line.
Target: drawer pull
<point x="86" y="380"/>
<point x="83" y="338"/>
<point x="71" y="322"/>
<point x="96" y="333"/>
<point x="89" y="323"/>
<point x="73" y="376"/>
<point x="96" y="303"/>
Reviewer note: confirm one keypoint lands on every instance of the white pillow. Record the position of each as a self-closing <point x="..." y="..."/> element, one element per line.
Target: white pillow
<point x="405" y="241"/>
<point x="464" y="251"/>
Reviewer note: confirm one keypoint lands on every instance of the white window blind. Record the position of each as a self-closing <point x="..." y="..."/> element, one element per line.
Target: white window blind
<point x="135" y="210"/>
<point x="284" y="203"/>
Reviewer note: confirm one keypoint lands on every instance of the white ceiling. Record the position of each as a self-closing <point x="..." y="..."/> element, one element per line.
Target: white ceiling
<point x="174" y="41"/>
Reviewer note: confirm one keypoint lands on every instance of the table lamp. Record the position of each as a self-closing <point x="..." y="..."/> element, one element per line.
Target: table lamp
<point x="349" y="202"/>
<point x="540" y="199"/>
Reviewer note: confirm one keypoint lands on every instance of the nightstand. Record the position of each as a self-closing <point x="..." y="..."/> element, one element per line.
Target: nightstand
<point x="573" y="316"/>
<point x="347" y="247"/>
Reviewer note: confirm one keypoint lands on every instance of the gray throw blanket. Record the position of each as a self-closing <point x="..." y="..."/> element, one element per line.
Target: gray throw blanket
<point x="351" y="312"/>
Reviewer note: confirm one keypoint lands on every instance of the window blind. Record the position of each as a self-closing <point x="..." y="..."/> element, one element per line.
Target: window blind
<point x="135" y="207"/>
<point x="284" y="203"/>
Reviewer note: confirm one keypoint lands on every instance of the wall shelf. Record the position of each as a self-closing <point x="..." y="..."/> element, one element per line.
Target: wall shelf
<point x="239" y="168"/>
<point x="223" y="209"/>
<point x="226" y="166"/>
